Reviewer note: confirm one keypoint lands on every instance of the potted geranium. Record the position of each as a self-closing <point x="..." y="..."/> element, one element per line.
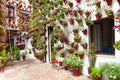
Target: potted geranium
<point x="109" y="12"/>
<point x="96" y="74"/>
<point x="117" y="45"/>
<point x="76" y="65"/>
<point x="77" y="38"/>
<point x="98" y="14"/>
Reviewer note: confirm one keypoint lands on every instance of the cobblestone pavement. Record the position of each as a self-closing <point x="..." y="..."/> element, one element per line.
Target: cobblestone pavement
<point x="36" y="70"/>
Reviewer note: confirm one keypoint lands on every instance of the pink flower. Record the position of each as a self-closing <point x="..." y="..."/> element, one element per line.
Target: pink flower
<point x="76" y="5"/>
<point x="117" y="17"/>
<point x="115" y="27"/>
<point x="118" y="10"/>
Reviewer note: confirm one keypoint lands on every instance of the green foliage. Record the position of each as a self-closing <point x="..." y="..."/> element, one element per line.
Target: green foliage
<point x="23" y="53"/>
<point x="16" y="52"/>
<point x="77" y="36"/>
<point x="96" y="72"/>
<point x="117" y="45"/>
<point x="112" y="70"/>
<point x="109" y="11"/>
<point x="3" y="54"/>
<point x="88" y="21"/>
<point x="41" y="52"/>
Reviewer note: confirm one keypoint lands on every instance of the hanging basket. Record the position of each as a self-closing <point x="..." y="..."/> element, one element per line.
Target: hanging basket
<point x="109" y="2"/>
<point x="77" y="40"/>
<point x="75" y="31"/>
<point x="80" y="12"/>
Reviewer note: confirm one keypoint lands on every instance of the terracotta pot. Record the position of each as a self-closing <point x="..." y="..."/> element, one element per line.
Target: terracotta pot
<point x="71" y="5"/>
<point x="78" y="1"/>
<point x="118" y="2"/>
<point x="54" y="61"/>
<point x="89" y="70"/>
<point x="71" y="21"/>
<point x="84" y="46"/>
<point x="109" y="2"/>
<point x="98" y="4"/>
<point x="76" y="40"/>
<point x="87" y="14"/>
<point x="41" y="57"/>
<point x="2" y="68"/>
<point x="75" y="13"/>
<point x="84" y="31"/>
<point x="98" y="16"/>
<point x="75" y="47"/>
<point x="81" y="56"/>
<point x="60" y="63"/>
<point x="76" y="71"/>
<point x="66" y="67"/>
<point x="70" y="51"/>
<point x="97" y="78"/>
<point x="23" y="57"/>
<point x="81" y="12"/>
<point x="75" y="31"/>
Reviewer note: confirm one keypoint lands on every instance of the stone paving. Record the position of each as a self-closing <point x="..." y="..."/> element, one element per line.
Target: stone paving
<point x="36" y="70"/>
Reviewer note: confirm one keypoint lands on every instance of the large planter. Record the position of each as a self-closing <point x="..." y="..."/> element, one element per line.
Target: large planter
<point x="76" y="71"/>
<point x="109" y="2"/>
<point x="96" y="78"/>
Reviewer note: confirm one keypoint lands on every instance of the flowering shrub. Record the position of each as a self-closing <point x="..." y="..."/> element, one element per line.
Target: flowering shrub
<point x="118" y="21"/>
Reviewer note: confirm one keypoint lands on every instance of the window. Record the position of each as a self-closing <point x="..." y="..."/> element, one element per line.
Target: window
<point x="102" y="35"/>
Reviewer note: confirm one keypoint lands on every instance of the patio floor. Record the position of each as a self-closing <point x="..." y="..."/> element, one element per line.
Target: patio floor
<point x="36" y="70"/>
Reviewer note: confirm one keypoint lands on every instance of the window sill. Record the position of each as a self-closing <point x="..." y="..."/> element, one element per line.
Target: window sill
<point x="105" y="56"/>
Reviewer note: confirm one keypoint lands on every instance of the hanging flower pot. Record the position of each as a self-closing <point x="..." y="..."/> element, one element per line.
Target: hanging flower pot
<point x="78" y="1"/>
<point x="76" y="40"/>
<point x="75" y="31"/>
<point x="118" y="2"/>
<point x="98" y="16"/>
<point x="75" y="13"/>
<point x="109" y="12"/>
<point x="84" y="31"/>
<point x="80" y="11"/>
<point x="87" y="13"/>
<point x="65" y="1"/>
<point x="79" y="20"/>
<point x="84" y="45"/>
<point x="71" y="4"/>
<point x="109" y="2"/>
<point x="71" y="20"/>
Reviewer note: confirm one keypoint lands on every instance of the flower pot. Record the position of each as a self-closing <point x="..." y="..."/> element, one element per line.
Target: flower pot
<point x="109" y="2"/>
<point x="89" y="70"/>
<point x="2" y="68"/>
<point x="96" y="78"/>
<point x="60" y="63"/>
<point x="71" y="5"/>
<point x="76" y="71"/>
<point x="80" y="12"/>
<point x="66" y="67"/>
<point x="84" y="31"/>
<point x="54" y="61"/>
<point x="76" y="40"/>
<point x="87" y="14"/>
<point x="71" y="20"/>
<point x="75" y="31"/>
<point x="118" y="2"/>
<point x="23" y="57"/>
<point x="84" y="46"/>
<point x="81" y="56"/>
<point x="98" y="16"/>
<point x="78" y="1"/>
<point x="41" y="57"/>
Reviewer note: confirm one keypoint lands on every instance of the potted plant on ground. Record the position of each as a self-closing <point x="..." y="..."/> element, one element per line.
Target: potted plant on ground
<point x="23" y="54"/>
<point x="16" y="53"/>
<point x="76" y="65"/>
<point x="40" y="54"/>
<point x="96" y="74"/>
